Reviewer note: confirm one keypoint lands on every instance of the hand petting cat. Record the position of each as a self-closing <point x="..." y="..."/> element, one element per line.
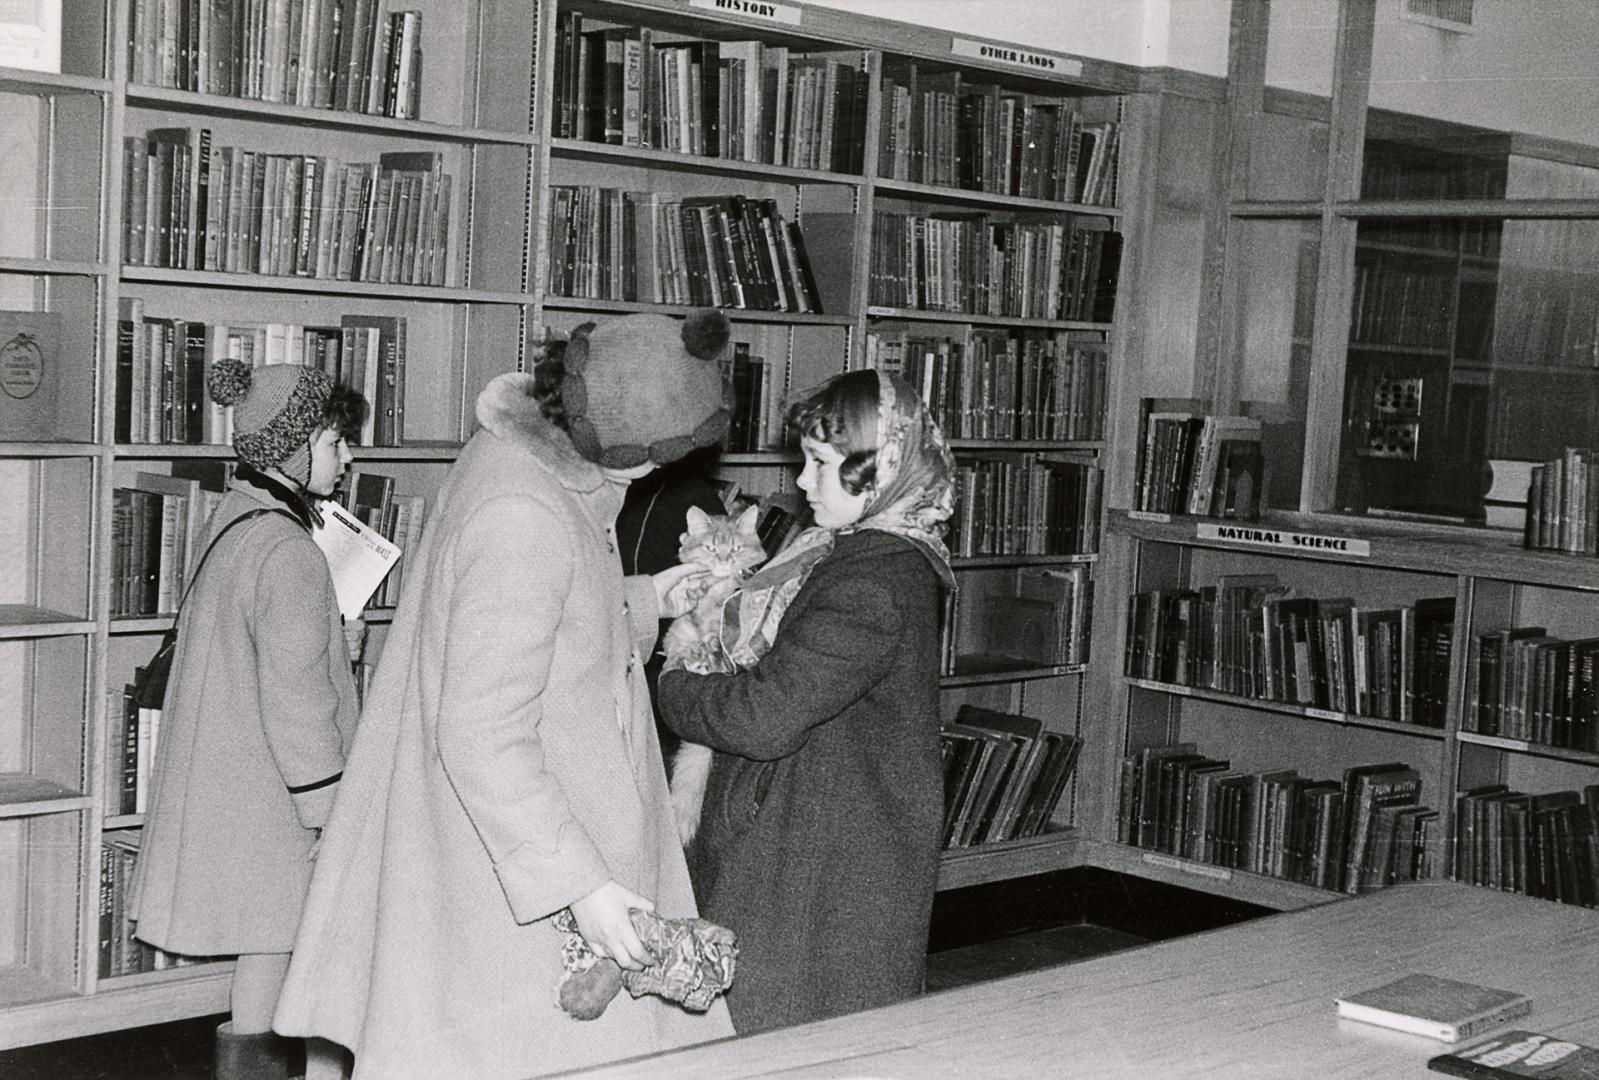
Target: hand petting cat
<point x="678" y="588"/>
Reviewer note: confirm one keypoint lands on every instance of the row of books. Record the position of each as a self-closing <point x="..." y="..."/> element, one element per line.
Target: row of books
<point x="935" y="129"/>
<point x="190" y="205"/>
<point x="1009" y="505"/>
<point x="156" y="524"/>
<point x="1004" y="775"/>
<point x="1039" y="617"/>
<point x="970" y="263"/>
<point x="1249" y="635"/>
<point x="1365" y="831"/>
<point x="118" y="952"/>
<point x="740" y="100"/>
<point x="1523" y="683"/>
<point x="1195" y="463"/>
<point x="162" y="365"/>
<point x="1563" y="504"/>
<point x="1539" y="845"/>
<point x="994" y="384"/>
<point x="1541" y="318"/>
<point x="716" y="251"/>
<point x="757" y="422"/>
<point x="1400" y="305"/>
<point x="350" y="55"/>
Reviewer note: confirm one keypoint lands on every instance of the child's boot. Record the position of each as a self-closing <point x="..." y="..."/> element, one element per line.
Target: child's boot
<point x="257" y="1056"/>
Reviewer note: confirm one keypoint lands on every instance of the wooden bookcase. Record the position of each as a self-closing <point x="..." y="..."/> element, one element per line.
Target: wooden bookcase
<point x="855" y="213"/>
<point x="64" y="655"/>
<point x="489" y="115"/>
<point x="1298" y="241"/>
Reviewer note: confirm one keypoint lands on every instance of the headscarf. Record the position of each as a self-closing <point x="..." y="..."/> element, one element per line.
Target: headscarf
<point x="912" y="496"/>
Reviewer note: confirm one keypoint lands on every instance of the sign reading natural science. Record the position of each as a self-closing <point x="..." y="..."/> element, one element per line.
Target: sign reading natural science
<point x="1265" y="536"/>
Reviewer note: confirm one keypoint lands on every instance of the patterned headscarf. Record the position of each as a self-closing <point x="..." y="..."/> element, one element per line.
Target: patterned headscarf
<point x="912" y="496"/>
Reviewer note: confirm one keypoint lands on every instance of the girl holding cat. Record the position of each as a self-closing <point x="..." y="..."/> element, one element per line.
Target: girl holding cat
<point x="819" y="838"/>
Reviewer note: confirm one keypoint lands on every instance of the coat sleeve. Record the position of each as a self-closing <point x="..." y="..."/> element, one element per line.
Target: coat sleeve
<point x="513" y="570"/>
<point x="833" y="647"/>
<point x="299" y="702"/>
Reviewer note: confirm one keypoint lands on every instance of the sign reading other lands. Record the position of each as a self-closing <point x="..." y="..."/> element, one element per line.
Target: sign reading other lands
<point x="1011" y="56"/>
<point x="1264" y="536"/>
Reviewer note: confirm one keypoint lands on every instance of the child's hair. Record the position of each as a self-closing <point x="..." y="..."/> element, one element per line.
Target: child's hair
<point x="842" y="412"/>
<point x="345" y="412"/>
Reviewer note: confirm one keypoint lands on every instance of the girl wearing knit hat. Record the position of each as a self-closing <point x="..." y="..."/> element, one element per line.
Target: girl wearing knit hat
<point x="819" y="836"/>
<point x="259" y="711"/>
<point x="507" y="767"/>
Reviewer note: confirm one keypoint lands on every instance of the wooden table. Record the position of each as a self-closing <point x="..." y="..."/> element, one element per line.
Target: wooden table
<point x="1251" y="1000"/>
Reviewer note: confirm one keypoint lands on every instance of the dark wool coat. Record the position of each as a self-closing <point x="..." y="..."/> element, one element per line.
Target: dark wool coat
<point x="260" y="700"/>
<point x="819" y="842"/>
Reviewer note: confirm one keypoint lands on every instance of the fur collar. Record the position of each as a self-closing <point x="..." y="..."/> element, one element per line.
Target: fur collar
<point x="508" y="410"/>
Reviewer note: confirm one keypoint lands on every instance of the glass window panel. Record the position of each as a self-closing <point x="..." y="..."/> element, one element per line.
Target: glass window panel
<point x="1470" y="341"/>
<point x="1278" y="307"/>
<point x="1288" y="142"/>
<point x="1450" y="108"/>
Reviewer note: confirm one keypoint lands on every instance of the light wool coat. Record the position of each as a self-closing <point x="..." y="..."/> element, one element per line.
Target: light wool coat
<point x="507" y="765"/>
<point x="260" y="700"/>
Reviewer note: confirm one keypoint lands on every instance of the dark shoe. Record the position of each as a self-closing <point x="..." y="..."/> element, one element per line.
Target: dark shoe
<point x="261" y="1056"/>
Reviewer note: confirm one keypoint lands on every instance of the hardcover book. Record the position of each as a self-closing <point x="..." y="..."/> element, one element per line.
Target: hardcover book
<point x="30" y="362"/>
<point x="1521" y="1054"/>
<point x="1438" y="1008"/>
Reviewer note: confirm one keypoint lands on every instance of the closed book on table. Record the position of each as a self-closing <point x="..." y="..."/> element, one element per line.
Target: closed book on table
<point x="1438" y="1008"/>
<point x="1517" y="1054"/>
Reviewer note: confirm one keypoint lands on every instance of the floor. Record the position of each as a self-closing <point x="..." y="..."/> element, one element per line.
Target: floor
<point x="980" y="933"/>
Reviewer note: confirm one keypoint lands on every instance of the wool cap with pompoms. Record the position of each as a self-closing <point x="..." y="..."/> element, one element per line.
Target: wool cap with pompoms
<point x="275" y="410"/>
<point x="646" y="387"/>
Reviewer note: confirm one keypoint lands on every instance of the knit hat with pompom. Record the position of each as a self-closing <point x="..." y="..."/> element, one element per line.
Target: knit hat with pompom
<point x="646" y="387"/>
<point x="275" y="410"/>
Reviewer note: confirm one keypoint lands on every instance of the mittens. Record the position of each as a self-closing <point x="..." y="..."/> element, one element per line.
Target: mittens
<point x="694" y="962"/>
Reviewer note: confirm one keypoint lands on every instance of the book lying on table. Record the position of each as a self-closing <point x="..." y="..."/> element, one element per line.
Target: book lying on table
<point x="1437" y="1008"/>
<point x="1517" y="1054"/>
<point x="359" y="556"/>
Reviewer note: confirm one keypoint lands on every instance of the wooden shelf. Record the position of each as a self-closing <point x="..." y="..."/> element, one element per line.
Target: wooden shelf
<point x="11" y="264"/>
<point x="28" y="621"/>
<point x="1092" y="445"/>
<point x="22" y="795"/>
<point x="939" y="193"/>
<point x="1286" y="708"/>
<point x="187" y="101"/>
<point x="38" y="1012"/>
<point x="985" y="863"/>
<point x="1524" y="746"/>
<point x="1428" y="549"/>
<point x="1217" y="880"/>
<point x="211" y="279"/>
<point x="987" y="670"/>
<point x="24" y="81"/>
<point x="644" y="156"/>
<point x="583" y="303"/>
<point x="989" y="562"/>
<point x="973" y="319"/>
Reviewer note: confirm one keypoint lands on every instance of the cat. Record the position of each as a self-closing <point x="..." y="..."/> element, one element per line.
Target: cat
<point x="730" y="549"/>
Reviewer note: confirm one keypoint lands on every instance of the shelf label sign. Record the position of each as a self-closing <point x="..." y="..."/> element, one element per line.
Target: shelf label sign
<point x="1010" y="56"/>
<point x="1260" y="536"/>
<point x="1149" y="515"/>
<point x="1184" y="866"/>
<point x="754" y="9"/>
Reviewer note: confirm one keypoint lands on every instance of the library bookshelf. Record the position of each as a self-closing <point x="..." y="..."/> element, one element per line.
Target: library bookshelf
<point x="493" y="204"/>
<point x="898" y="155"/>
<point x="123" y="157"/>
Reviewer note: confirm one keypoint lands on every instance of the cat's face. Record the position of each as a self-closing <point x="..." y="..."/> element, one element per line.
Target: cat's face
<point x="727" y="547"/>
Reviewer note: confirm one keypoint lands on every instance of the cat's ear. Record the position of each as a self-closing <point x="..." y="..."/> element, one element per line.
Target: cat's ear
<point x="698" y="521"/>
<point x="749" y="519"/>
